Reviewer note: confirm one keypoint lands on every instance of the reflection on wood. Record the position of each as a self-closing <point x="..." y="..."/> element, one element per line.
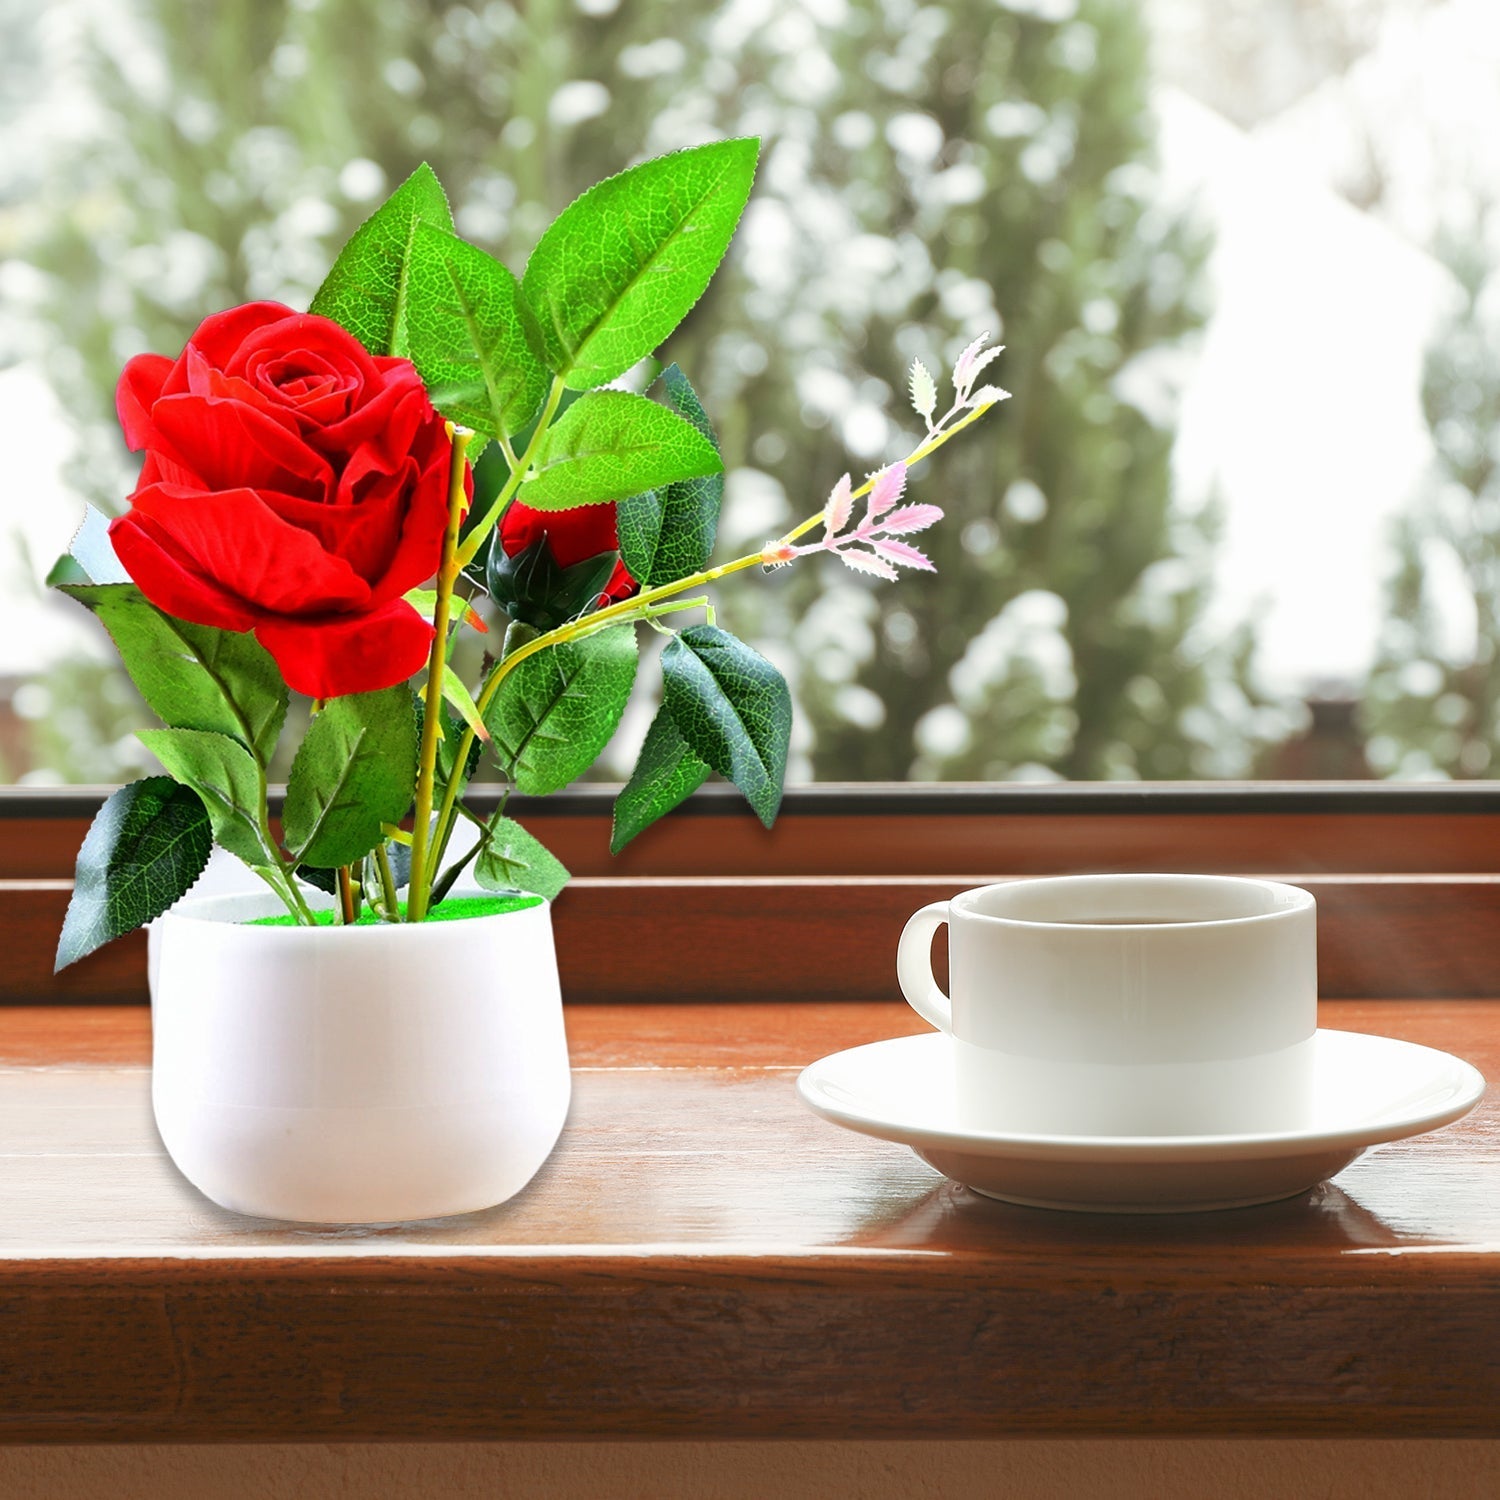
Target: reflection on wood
<point x="703" y="1257"/>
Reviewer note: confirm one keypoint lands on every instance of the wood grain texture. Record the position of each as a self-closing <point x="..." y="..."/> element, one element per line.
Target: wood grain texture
<point x="703" y="1257"/>
<point x="942" y="830"/>
<point x="1038" y="844"/>
<point x="828" y="938"/>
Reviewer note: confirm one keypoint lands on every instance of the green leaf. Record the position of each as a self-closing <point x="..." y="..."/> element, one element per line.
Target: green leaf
<point x="610" y="445"/>
<point x="461" y="701"/>
<point x="367" y="289"/>
<point x="66" y="571"/>
<point x="510" y="859"/>
<point x="666" y="772"/>
<point x="621" y="266"/>
<point x="356" y="770"/>
<point x="668" y="533"/>
<point x="556" y="711"/>
<point x="143" y="851"/>
<point x="466" y="339"/>
<point x="193" y="676"/>
<point x="442" y="887"/>
<point x="320" y="877"/>
<point x="733" y="709"/>
<point x="225" y="775"/>
<point x="424" y="601"/>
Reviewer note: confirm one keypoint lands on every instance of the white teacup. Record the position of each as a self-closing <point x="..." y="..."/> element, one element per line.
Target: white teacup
<point x="1124" y="1004"/>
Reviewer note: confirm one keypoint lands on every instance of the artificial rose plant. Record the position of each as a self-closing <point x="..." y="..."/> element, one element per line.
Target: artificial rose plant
<point x="294" y="485"/>
<point x="307" y="519"/>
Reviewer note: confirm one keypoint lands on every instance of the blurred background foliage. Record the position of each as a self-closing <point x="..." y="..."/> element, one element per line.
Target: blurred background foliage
<point x="1433" y="707"/>
<point x="929" y="173"/>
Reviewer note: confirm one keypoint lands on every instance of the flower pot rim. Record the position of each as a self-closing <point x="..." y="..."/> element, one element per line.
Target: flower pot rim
<point x="250" y="906"/>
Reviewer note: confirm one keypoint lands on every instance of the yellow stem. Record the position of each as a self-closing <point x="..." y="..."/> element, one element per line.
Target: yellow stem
<point x="448" y="571"/>
<point x="518" y="467"/>
<point x="639" y="606"/>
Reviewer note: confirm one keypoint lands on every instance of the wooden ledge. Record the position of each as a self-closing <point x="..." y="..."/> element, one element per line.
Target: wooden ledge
<point x="703" y="1257"/>
<point x="1378" y="936"/>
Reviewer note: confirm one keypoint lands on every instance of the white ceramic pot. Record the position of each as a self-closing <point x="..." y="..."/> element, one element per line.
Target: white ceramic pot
<point x="356" y="1075"/>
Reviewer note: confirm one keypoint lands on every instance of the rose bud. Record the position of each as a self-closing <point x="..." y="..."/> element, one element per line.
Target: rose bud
<point x="294" y="485"/>
<point x="549" y="566"/>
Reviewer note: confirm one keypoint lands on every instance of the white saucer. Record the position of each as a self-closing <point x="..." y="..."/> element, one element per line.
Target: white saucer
<point x="1368" y="1089"/>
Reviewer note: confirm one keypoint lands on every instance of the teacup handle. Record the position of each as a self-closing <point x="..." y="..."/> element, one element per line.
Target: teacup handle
<point x="914" y="967"/>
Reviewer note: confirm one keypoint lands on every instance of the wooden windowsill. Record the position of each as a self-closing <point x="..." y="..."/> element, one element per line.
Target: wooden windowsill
<point x="703" y="1257"/>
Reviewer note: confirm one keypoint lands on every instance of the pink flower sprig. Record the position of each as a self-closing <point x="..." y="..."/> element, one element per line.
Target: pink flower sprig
<point x="966" y="370"/>
<point x="872" y="546"/>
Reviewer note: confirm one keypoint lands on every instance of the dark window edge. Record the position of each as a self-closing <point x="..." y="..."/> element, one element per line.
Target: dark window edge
<point x="901" y="799"/>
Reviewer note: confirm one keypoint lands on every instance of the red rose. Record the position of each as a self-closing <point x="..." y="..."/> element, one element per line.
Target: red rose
<point x="572" y="537"/>
<point x="294" y="485"/>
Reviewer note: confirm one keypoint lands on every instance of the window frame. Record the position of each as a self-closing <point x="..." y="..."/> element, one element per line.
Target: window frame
<point x="1370" y="1337"/>
<point x="1405" y="877"/>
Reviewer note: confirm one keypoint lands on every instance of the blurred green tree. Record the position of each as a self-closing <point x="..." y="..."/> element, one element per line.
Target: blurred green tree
<point x="236" y="149"/>
<point x="937" y="172"/>
<point x="1432" y="703"/>
<point x="925" y="168"/>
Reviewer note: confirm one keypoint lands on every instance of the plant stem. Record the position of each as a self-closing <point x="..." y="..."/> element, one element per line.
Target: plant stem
<point x="445" y="827"/>
<point x="432" y="721"/>
<point x="451" y="807"/>
<point x="285" y="883"/>
<point x="286" y="891"/>
<point x="298" y="902"/>
<point x="639" y="606"/>
<point x="675" y="606"/>
<point x="346" y="896"/>
<point x="476" y="538"/>
<point x="447" y="813"/>
<point x="642" y="606"/>
<point x="450" y="876"/>
<point x="388" y="884"/>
